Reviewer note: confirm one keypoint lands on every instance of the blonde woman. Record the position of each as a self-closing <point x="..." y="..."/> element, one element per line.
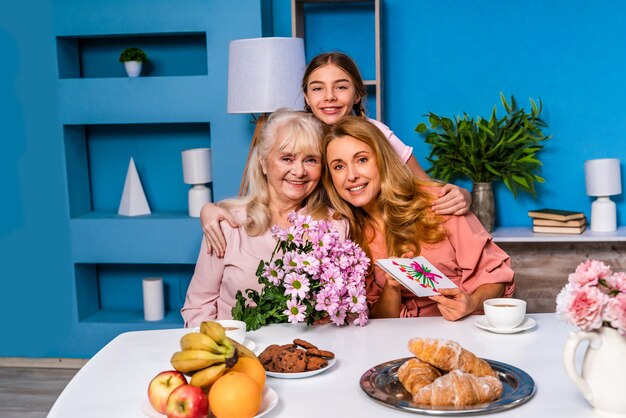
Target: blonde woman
<point x="284" y="175"/>
<point x="389" y="214"/>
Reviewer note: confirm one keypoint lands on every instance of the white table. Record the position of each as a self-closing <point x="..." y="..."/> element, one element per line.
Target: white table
<point x="114" y="382"/>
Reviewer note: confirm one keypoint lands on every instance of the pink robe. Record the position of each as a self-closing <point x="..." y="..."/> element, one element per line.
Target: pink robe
<point x="467" y="256"/>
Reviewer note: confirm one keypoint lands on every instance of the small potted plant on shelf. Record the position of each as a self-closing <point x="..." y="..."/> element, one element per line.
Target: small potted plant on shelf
<point x="133" y="59"/>
<point x="486" y="150"/>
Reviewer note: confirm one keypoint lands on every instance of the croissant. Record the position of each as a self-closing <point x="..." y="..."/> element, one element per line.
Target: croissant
<point x="458" y="388"/>
<point x="414" y="374"/>
<point x="449" y="355"/>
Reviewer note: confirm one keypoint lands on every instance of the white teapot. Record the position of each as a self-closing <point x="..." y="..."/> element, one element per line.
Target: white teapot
<point x="602" y="380"/>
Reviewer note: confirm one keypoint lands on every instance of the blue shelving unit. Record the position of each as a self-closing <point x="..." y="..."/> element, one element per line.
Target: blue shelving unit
<point x="179" y="102"/>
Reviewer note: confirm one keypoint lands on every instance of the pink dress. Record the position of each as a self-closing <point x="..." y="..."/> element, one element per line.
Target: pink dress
<point x="467" y="256"/>
<point x="215" y="282"/>
<point x="403" y="150"/>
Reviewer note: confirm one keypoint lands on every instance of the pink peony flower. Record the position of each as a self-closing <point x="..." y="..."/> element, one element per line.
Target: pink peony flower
<point x="594" y="297"/>
<point x="617" y="282"/>
<point x="615" y="313"/>
<point x="589" y="272"/>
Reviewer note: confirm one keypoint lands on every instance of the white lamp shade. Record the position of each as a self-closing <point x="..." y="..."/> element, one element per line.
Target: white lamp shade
<point x="603" y="177"/>
<point x="197" y="165"/>
<point x="265" y="74"/>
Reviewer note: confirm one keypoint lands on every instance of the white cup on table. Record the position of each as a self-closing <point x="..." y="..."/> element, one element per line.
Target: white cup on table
<point x="505" y="313"/>
<point x="234" y="329"/>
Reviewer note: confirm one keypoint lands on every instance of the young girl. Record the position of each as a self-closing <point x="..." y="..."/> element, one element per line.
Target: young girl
<point x="333" y="88"/>
<point x="389" y="213"/>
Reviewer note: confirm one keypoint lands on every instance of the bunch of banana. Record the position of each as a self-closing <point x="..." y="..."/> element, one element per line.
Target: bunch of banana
<point x="207" y="354"/>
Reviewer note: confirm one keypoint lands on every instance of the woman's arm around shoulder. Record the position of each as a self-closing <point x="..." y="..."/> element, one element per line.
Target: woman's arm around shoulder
<point x="451" y="199"/>
<point x="211" y="217"/>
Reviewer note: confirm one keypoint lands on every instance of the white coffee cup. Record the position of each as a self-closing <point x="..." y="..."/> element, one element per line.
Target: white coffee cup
<point x="234" y="329"/>
<point x="505" y="313"/>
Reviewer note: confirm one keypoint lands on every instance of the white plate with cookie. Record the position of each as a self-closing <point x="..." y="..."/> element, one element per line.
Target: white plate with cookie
<point x="300" y="375"/>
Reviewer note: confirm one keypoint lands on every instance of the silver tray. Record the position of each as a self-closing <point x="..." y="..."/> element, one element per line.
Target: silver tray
<point x="381" y="384"/>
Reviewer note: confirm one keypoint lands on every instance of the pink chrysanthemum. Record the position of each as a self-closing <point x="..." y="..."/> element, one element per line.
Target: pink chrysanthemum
<point x="295" y="311"/>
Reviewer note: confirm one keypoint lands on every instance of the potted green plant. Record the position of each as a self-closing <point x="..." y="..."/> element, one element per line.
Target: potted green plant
<point x="487" y="150"/>
<point x="133" y="59"/>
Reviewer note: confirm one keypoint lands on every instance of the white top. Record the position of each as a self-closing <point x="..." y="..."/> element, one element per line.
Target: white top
<point x="115" y="381"/>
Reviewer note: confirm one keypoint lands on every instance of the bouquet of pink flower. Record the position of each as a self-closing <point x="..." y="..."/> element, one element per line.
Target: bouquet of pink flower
<point x="594" y="297"/>
<point x="316" y="276"/>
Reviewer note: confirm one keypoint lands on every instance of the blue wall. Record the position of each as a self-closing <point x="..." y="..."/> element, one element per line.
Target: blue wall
<point x="443" y="56"/>
<point x="450" y="57"/>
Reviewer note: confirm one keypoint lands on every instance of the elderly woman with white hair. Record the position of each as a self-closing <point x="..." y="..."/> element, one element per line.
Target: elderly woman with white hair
<point x="284" y="173"/>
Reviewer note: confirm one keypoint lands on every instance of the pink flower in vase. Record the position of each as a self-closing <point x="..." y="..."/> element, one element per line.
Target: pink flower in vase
<point x="615" y="313"/>
<point x="594" y="297"/>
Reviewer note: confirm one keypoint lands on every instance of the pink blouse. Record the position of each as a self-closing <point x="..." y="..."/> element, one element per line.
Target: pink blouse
<point x="215" y="282"/>
<point x="468" y="256"/>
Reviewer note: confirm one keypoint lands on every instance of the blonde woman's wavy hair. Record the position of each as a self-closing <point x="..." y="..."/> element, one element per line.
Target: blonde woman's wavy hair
<point x="403" y="200"/>
<point x="287" y="130"/>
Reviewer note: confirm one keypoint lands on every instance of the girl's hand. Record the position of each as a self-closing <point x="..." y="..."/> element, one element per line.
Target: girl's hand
<point x="453" y="200"/>
<point x="453" y="304"/>
<point x="210" y="216"/>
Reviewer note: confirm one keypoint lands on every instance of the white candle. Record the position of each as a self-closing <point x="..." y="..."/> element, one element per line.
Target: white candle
<point x="153" y="308"/>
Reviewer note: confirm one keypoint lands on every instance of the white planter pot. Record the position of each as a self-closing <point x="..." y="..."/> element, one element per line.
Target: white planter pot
<point x="133" y="68"/>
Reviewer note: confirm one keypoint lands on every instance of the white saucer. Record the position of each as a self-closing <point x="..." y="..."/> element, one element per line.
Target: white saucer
<point x="527" y="323"/>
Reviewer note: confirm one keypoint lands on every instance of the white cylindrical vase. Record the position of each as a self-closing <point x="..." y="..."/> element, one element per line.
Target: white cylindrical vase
<point x="199" y="195"/>
<point x="153" y="303"/>
<point x="603" y="215"/>
<point x="197" y="172"/>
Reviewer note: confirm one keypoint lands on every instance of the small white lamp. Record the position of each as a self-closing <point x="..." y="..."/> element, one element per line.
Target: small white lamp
<point x="264" y="74"/>
<point x="197" y="172"/>
<point x="603" y="179"/>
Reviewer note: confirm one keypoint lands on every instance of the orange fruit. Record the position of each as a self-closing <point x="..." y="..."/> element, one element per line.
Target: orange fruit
<point x="235" y="395"/>
<point x="251" y="367"/>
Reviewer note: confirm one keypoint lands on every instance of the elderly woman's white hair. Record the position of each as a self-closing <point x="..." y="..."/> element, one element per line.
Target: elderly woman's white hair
<point x="285" y="129"/>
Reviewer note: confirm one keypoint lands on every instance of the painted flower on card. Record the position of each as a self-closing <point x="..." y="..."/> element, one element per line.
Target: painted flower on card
<point x="594" y="297"/>
<point x="311" y="276"/>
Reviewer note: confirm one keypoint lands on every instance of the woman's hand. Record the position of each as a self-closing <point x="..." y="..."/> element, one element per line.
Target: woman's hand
<point x="453" y="304"/>
<point x="210" y="216"/>
<point x="453" y="200"/>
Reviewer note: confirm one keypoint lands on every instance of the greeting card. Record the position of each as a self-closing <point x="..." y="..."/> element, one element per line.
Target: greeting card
<point x="416" y="274"/>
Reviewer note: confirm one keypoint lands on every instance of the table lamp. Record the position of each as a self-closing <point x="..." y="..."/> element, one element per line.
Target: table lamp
<point x="264" y="74"/>
<point x="603" y="179"/>
<point x="197" y="172"/>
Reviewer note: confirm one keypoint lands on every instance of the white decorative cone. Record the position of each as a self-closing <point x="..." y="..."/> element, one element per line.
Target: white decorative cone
<point x="134" y="202"/>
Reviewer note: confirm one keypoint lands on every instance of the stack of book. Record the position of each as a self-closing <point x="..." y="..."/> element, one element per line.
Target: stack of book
<point x="555" y="221"/>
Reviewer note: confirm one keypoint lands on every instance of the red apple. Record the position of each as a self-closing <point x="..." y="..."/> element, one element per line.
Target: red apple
<point x="162" y="385"/>
<point x="187" y="401"/>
